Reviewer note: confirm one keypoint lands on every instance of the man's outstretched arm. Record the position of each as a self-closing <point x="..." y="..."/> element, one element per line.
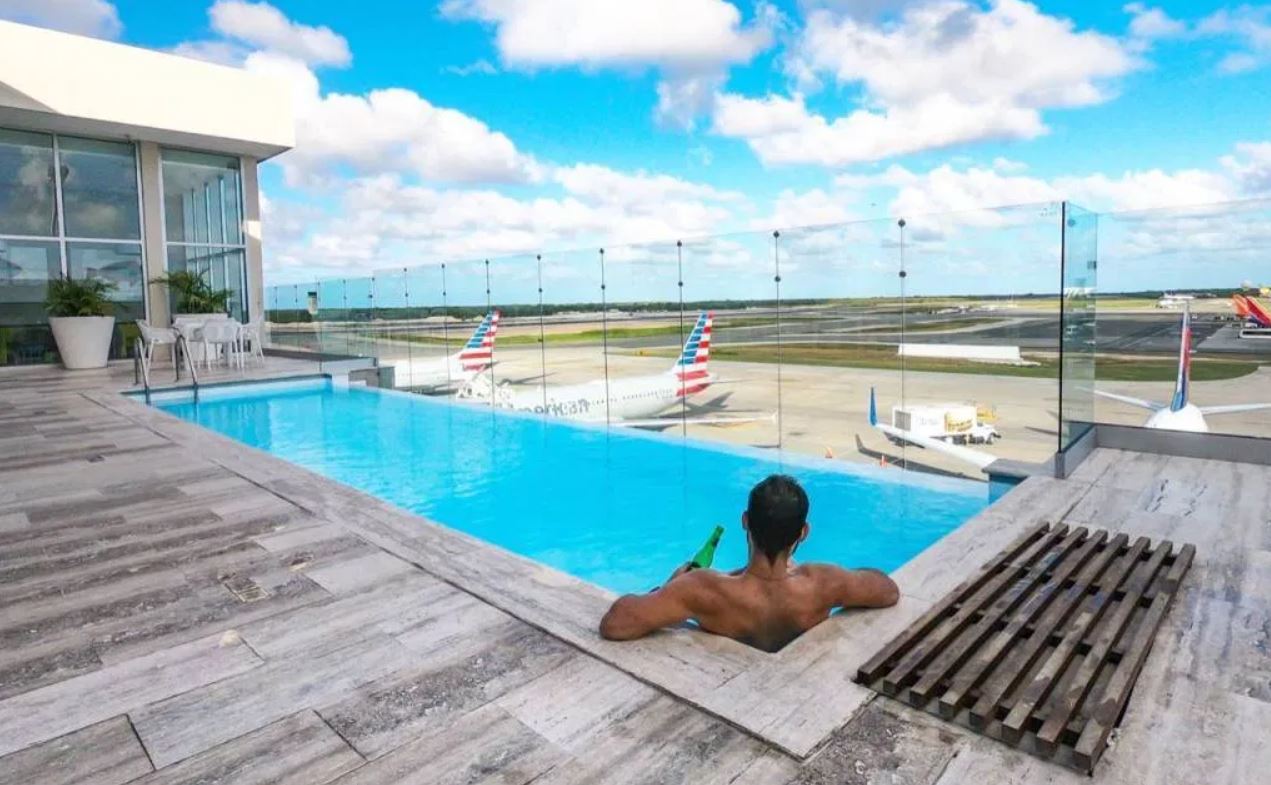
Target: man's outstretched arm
<point x="636" y="615"/>
<point x="862" y="588"/>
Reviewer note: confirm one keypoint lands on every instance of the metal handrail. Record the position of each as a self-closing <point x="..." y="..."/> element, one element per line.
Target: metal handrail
<point x="182" y="347"/>
<point x="140" y="366"/>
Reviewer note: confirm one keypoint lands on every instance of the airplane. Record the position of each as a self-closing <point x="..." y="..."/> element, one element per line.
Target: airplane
<point x="442" y="373"/>
<point x="1257" y="317"/>
<point x="631" y="402"/>
<point x="1174" y="300"/>
<point x="1180" y="414"/>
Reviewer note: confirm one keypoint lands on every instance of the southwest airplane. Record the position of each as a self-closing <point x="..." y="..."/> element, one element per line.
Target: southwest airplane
<point x="440" y="373"/>
<point x="1255" y="315"/>
<point x="1180" y="414"/>
<point x="632" y="401"/>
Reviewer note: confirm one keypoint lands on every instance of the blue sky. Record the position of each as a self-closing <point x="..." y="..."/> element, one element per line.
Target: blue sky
<point x="467" y="128"/>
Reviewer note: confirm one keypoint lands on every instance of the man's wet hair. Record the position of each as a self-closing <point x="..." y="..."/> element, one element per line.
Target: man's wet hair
<point x="776" y="512"/>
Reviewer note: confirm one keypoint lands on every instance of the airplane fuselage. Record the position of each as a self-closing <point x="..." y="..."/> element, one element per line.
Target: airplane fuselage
<point x="434" y="373"/>
<point x="1189" y="418"/>
<point x="633" y="398"/>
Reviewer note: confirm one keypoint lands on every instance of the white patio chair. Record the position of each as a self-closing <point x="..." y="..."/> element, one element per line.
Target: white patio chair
<point x="254" y="333"/>
<point x="157" y="336"/>
<point x="222" y="335"/>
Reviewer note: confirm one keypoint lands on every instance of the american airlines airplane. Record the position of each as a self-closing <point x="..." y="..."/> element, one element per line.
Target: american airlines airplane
<point x="453" y="371"/>
<point x="1180" y="414"/>
<point x="631" y="401"/>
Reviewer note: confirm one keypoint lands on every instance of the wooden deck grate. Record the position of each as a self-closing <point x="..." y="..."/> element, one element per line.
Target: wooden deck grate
<point x="1041" y="647"/>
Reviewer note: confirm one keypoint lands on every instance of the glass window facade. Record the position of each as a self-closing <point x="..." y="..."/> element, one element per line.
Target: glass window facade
<point x="68" y="207"/>
<point x="203" y="225"/>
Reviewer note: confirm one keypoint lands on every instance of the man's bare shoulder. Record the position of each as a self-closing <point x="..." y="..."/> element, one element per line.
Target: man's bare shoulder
<point x="860" y="586"/>
<point x="703" y="587"/>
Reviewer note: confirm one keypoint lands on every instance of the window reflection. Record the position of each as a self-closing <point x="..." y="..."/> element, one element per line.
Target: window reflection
<point x="201" y="198"/>
<point x="99" y="189"/>
<point x="222" y="268"/>
<point x="28" y="205"/>
<point x="26" y="266"/>
<point x="119" y="263"/>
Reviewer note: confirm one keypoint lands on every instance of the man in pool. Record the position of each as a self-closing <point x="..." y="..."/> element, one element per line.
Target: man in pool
<point x="767" y="603"/>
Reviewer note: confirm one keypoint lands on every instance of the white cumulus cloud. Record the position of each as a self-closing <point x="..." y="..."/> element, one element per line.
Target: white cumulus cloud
<point x="264" y="27"/>
<point x="245" y="28"/>
<point x="1250" y="164"/>
<point x="943" y="73"/>
<point x="389" y="130"/>
<point x="691" y="43"/>
<point x="97" y="18"/>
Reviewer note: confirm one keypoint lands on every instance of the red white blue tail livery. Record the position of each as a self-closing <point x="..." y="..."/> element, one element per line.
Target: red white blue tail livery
<point x="1181" y="414"/>
<point x="478" y="353"/>
<point x="433" y="373"/>
<point x="691" y="369"/>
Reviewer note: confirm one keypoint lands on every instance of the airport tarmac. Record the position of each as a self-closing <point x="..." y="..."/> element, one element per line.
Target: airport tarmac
<point x="1145" y="331"/>
<point x="824" y="409"/>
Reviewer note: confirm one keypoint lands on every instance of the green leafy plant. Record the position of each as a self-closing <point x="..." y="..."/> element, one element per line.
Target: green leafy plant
<point x="79" y="297"/>
<point x="192" y="293"/>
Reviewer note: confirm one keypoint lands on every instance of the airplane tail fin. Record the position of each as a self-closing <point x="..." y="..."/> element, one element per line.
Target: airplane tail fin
<point x="1258" y="313"/>
<point x="1183" y="383"/>
<point x="1240" y="305"/>
<point x="478" y="353"/>
<point x="873" y="408"/>
<point x="691" y="367"/>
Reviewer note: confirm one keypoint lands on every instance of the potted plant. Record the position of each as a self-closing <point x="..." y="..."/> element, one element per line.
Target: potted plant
<point x="81" y="316"/>
<point x="192" y="295"/>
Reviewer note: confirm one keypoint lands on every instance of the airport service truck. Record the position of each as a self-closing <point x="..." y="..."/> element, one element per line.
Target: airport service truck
<point x="956" y="423"/>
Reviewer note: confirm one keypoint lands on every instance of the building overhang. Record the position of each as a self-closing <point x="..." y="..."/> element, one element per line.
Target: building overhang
<point x="63" y="83"/>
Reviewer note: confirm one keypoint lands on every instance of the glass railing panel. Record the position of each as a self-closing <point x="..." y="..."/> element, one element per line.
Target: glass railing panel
<point x="294" y="326"/>
<point x="1080" y="232"/>
<point x="573" y="355"/>
<point x="332" y="318"/>
<point x="518" y="341"/>
<point x="361" y="333"/>
<point x="644" y="326"/>
<point x="469" y="296"/>
<point x="734" y="278"/>
<point x="980" y="338"/>
<point x="419" y="350"/>
<point x="1155" y="265"/>
<point x="389" y="320"/>
<point x="839" y="320"/>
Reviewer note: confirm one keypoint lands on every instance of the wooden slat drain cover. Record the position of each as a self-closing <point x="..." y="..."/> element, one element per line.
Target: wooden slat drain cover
<point x="1041" y="647"/>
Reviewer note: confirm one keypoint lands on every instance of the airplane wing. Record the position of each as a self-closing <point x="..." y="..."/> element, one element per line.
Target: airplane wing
<point x="974" y="457"/>
<point x="1237" y="407"/>
<point x="1139" y="402"/>
<point x="671" y="422"/>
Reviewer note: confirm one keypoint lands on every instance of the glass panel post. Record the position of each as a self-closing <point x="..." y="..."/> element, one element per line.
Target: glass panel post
<point x="1079" y="231"/>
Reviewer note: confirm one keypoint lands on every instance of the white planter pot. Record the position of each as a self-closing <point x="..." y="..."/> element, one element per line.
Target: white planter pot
<point x="83" y="341"/>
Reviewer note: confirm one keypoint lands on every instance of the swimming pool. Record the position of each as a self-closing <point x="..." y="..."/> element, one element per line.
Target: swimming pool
<point x="614" y="507"/>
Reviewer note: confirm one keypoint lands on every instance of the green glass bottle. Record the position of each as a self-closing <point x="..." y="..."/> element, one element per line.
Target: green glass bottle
<point x="706" y="555"/>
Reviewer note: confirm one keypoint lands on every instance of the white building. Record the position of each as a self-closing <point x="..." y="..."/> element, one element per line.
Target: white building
<point x="121" y="163"/>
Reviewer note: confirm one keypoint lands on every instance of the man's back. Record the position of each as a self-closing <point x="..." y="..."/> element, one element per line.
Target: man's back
<point x="769" y="602"/>
<point x="765" y="611"/>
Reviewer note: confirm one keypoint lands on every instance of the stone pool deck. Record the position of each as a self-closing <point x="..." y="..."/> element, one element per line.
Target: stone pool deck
<point x="179" y="608"/>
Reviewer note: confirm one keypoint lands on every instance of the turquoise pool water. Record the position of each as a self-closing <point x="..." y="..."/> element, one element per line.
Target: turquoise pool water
<point x="618" y="508"/>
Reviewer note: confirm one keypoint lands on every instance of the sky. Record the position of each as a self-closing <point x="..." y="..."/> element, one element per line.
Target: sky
<point x="468" y="129"/>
